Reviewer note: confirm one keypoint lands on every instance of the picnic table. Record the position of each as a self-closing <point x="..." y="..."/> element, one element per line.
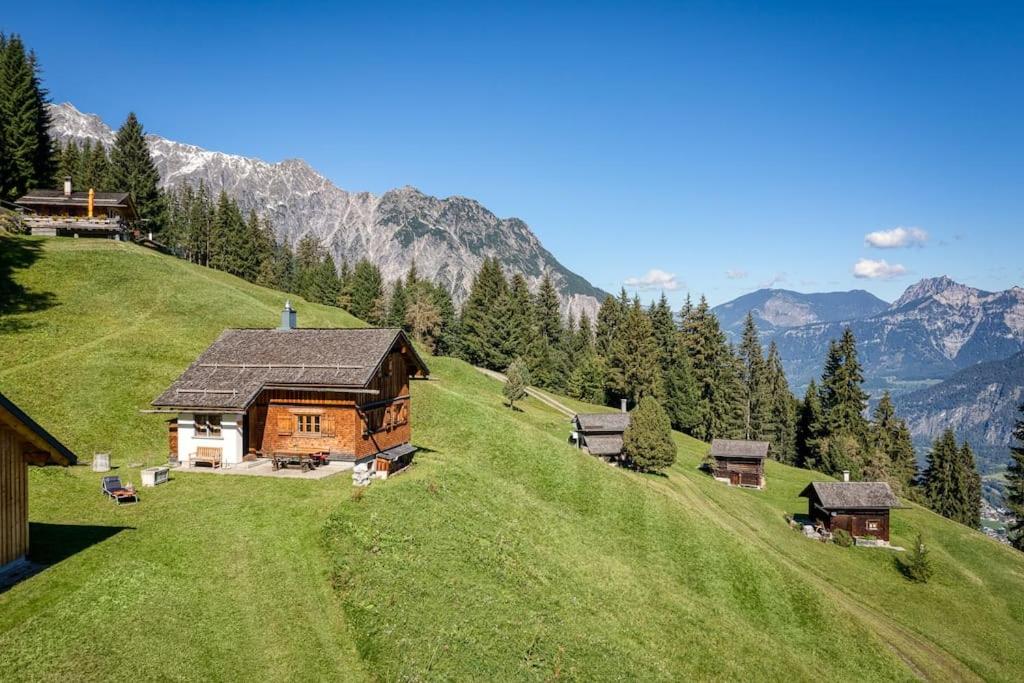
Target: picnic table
<point x="303" y="460"/>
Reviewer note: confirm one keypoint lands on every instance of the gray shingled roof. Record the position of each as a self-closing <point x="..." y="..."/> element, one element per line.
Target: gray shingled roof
<point x="230" y="374"/>
<point x="609" y="444"/>
<point x="58" y="198"/>
<point x="735" y="448"/>
<point x="602" y="422"/>
<point x="839" y="495"/>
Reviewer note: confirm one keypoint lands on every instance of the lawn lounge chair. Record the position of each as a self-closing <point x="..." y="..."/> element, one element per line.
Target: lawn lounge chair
<point x="112" y="487"/>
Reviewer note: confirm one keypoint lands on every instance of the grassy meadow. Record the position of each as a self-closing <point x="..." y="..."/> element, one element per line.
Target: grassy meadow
<point x="502" y="554"/>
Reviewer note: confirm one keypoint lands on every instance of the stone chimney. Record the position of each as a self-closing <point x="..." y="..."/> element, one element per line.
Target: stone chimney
<point x="288" y="317"/>
<point x="67" y="186"/>
<point x="622" y="405"/>
<point x="846" y="475"/>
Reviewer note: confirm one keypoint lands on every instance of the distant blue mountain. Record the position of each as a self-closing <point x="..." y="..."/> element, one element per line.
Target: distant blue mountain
<point x="775" y="309"/>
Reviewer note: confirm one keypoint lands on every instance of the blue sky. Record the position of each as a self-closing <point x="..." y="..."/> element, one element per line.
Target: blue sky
<point x="728" y="144"/>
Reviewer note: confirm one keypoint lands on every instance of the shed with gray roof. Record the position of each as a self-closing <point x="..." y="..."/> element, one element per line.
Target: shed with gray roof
<point x="600" y="433"/>
<point x="738" y="462"/>
<point x="861" y="508"/>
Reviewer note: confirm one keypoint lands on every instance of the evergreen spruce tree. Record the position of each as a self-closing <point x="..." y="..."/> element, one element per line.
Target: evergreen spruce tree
<point x="69" y="164"/>
<point x="132" y="170"/>
<point x="633" y="369"/>
<point x="367" y="293"/>
<point x="809" y="426"/>
<point x="665" y="332"/>
<point x="842" y="395"/>
<point x="26" y="150"/>
<point x="480" y="323"/>
<point x="546" y="351"/>
<point x="1015" y="485"/>
<point x="941" y="478"/>
<point x="890" y="438"/>
<point x="781" y="410"/>
<point x="516" y="320"/>
<point x="682" y="395"/>
<point x="647" y="442"/>
<point x="918" y="566"/>
<point x="95" y="168"/>
<point x="609" y="320"/>
<point x="422" y="316"/>
<point x="970" y="487"/>
<point x="755" y="395"/>
<point x="720" y="407"/>
<point x="398" y="305"/>
<point x="516" y="381"/>
<point x="587" y="379"/>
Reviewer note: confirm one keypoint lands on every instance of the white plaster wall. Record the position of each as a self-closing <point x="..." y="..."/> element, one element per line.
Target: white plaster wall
<point x="229" y="441"/>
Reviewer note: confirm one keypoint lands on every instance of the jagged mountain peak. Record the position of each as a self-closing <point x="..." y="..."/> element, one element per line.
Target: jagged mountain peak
<point x="942" y="288"/>
<point x="448" y="238"/>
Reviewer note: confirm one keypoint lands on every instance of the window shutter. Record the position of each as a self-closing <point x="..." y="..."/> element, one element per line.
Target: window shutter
<point x="327" y="425"/>
<point x="284" y="424"/>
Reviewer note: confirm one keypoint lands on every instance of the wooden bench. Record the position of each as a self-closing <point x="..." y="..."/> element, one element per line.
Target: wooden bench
<point x="209" y="455"/>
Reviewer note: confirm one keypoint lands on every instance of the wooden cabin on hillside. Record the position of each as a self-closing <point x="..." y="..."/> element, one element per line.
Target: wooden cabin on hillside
<point x="22" y="443"/>
<point x="600" y="433"/>
<point x="739" y="463"/>
<point x="68" y="213"/>
<point x="859" y="507"/>
<point x="340" y="393"/>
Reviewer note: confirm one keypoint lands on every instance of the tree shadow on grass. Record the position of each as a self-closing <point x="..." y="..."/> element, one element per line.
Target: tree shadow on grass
<point x="53" y="543"/>
<point x="18" y="254"/>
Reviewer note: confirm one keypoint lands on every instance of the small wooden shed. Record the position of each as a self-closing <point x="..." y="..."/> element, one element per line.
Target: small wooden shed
<point x="861" y="508"/>
<point x="739" y="463"/>
<point x="22" y="442"/>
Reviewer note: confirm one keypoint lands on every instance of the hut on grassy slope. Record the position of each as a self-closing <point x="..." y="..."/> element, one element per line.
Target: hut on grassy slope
<point x="22" y="442"/>
<point x="68" y="213"/>
<point x="600" y="433"/>
<point x="340" y="393"/>
<point x="859" y="507"/>
<point x="739" y="463"/>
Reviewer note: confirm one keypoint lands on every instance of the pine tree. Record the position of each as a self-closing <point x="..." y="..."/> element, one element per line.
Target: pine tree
<point x="545" y="352"/>
<point x="780" y="427"/>
<point x="516" y="319"/>
<point x="633" y="369"/>
<point x="682" y="395"/>
<point x="367" y="292"/>
<point x="95" y="168"/>
<point x="398" y="305"/>
<point x="132" y="170"/>
<point x="609" y="320"/>
<point x="809" y="426"/>
<point x="647" y="442"/>
<point x="952" y="485"/>
<point x="665" y="332"/>
<point x="480" y="324"/>
<point x="918" y="566"/>
<point x="26" y="150"/>
<point x="890" y="438"/>
<point x="516" y="381"/>
<point x="755" y="397"/>
<point x="720" y="407"/>
<point x="587" y="379"/>
<point x="69" y="161"/>
<point x="842" y="395"/>
<point x="1015" y="485"/>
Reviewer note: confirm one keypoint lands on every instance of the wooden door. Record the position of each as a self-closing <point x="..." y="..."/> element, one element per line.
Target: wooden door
<point x="734" y="478"/>
<point x="172" y="438"/>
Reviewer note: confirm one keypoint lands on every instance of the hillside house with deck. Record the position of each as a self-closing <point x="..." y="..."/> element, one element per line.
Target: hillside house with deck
<point x="339" y="393"/>
<point x="600" y="433"/>
<point x="22" y="442"/>
<point x="859" y="507"/>
<point x="68" y="213"/>
<point x="739" y="463"/>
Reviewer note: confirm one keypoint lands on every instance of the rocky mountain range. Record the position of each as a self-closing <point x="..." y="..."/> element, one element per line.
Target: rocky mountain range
<point x="775" y="309"/>
<point x="448" y="238"/>
<point x="980" y="403"/>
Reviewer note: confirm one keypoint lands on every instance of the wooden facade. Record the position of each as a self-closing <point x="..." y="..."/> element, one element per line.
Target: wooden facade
<point x="861" y="508"/>
<point x="740" y="471"/>
<point x="349" y="426"/>
<point x="22" y="442"/>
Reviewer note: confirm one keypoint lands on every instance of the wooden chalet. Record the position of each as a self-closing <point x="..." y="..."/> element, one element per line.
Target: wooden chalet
<point x="68" y="213"/>
<point x="339" y="393"/>
<point x="22" y="443"/>
<point x="739" y="463"/>
<point x="600" y="433"/>
<point x="859" y="507"/>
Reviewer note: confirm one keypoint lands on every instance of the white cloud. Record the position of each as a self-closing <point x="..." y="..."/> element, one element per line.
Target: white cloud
<point x="736" y="274"/>
<point x="654" y="279"/>
<point x="881" y="269"/>
<point x="896" y="237"/>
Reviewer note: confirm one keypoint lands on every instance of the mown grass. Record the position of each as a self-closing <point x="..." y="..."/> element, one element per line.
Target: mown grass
<point x="502" y="554"/>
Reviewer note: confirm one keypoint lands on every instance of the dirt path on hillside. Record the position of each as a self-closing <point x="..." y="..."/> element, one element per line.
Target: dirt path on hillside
<point x="927" y="660"/>
<point x="544" y="398"/>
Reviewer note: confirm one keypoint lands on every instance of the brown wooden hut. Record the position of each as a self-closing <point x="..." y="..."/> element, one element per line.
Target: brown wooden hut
<point x="600" y="433"/>
<point x="22" y="442"/>
<point x="859" y="507"/>
<point x="739" y="463"/>
<point x="343" y="393"/>
<point x="68" y="213"/>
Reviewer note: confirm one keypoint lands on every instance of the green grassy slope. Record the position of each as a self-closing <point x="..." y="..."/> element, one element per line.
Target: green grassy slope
<point x="503" y="554"/>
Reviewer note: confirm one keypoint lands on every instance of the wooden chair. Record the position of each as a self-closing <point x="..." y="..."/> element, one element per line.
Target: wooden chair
<point x="111" y="486"/>
<point x="207" y="454"/>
